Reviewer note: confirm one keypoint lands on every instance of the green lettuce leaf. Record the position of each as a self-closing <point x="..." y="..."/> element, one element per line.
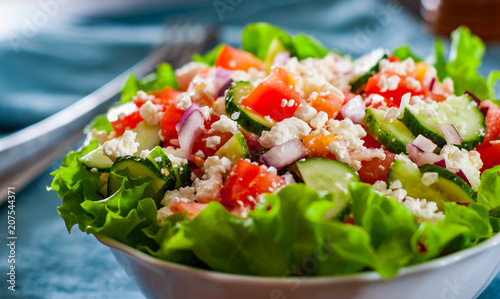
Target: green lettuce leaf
<point x="100" y="123"/>
<point x="404" y="52"/>
<point x="489" y="189"/>
<point x="466" y="53"/>
<point x="209" y="57"/>
<point x="389" y="224"/>
<point x="257" y="39"/>
<point x="75" y="183"/>
<point x="163" y="77"/>
<point x="438" y="59"/>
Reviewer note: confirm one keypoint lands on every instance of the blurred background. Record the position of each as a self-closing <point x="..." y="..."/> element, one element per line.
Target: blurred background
<point x="54" y="52"/>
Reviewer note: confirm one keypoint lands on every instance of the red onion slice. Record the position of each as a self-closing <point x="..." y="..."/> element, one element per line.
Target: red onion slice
<point x="450" y="134"/>
<point x="441" y="163"/>
<point x="472" y="96"/>
<point x="222" y="81"/>
<point x="420" y="157"/>
<point x="462" y="175"/>
<point x="281" y="58"/>
<point x="354" y="110"/>
<point x="288" y="178"/>
<point x="424" y="144"/>
<point x="253" y="144"/>
<point x="190" y="130"/>
<point x="431" y="86"/>
<point x="185" y="115"/>
<point x="284" y="154"/>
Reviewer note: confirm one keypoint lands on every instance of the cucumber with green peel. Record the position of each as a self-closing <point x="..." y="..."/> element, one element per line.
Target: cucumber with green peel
<point x="160" y="159"/>
<point x="234" y="149"/>
<point x="97" y="159"/>
<point x="331" y="176"/>
<point x="410" y="177"/>
<point x="147" y="136"/>
<point x="451" y="185"/>
<point x="247" y="119"/>
<point x="135" y="168"/>
<point x="392" y="135"/>
<point x="368" y="65"/>
<point x="182" y="175"/>
<point x="280" y="43"/>
<point x="461" y="112"/>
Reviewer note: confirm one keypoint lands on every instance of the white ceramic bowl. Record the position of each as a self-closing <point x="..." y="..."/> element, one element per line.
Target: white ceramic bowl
<point x="463" y="274"/>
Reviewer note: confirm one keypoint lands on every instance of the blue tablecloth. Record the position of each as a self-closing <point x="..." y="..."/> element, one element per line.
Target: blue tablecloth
<point x="65" y="62"/>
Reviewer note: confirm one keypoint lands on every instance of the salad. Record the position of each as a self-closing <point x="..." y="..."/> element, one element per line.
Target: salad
<point x="286" y="158"/>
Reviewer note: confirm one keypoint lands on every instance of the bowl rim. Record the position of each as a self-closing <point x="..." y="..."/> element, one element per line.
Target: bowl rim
<point x="368" y="276"/>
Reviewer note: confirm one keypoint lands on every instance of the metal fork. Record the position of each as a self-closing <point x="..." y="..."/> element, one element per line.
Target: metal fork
<point x="28" y="152"/>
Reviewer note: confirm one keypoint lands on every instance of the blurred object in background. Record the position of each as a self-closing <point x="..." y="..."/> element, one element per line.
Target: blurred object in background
<point x="481" y="16"/>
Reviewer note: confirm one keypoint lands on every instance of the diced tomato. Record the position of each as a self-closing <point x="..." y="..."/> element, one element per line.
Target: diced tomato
<point x="392" y="97"/>
<point x="168" y="122"/>
<point x="267" y="98"/>
<point x="376" y="169"/>
<point x="128" y="122"/>
<point x="492" y="123"/>
<point x="317" y="145"/>
<point x="192" y="208"/>
<point x="201" y="143"/>
<point x="348" y="96"/>
<point x="245" y="182"/>
<point x="236" y="59"/>
<point x="393" y="58"/>
<point x="166" y="96"/>
<point x="329" y="103"/>
<point x="490" y="156"/>
<point x="371" y="142"/>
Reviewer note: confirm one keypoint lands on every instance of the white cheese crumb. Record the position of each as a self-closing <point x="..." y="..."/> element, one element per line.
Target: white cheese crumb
<point x="151" y="113"/>
<point x="183" y="101"/>
<point x="142" y="97"/>
<point x="305" y="112"/>
<point x="411" y="83"/>
<point x="319" y="120"/>
<point x="468" y="161"/>
<point x="393" y="82"/>
<point x="382" y="83"/>
<point x="283" y="131"/>
<point x="121" y="146"/>
<point x="206" y="112"/>
<point x="213" y="141"/>
<point x="429" y="178"/>
<point x="200" y="154"/>
<point x="391" y="114"/>
<point x="284" y="102"/>
<point x="225" y="124"/>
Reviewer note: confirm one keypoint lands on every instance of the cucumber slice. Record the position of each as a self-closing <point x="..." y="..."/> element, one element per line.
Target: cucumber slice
<point x="138" y="168"/>
<point x="323" y="174"/>
<point x="97" y="159"/>
<point x="160" y="159"/>
<point x="424" y="118"/>
<point x="394" y="136"/>
<point x="277" y="45"/>
<point x="147" y="136"/>
<point x="451" y="185"/>
<point x="411" y="180"/>
<point x="234" y="149"/>
<point x="247" y="119"/>
<point x="366" y="66"/>
<point x="332" y="176"/>
<point x="182" y="176"/>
